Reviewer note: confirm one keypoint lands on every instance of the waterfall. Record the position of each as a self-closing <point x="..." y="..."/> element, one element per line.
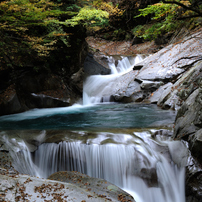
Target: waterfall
<point x="145" y="168"/>
<point x="98" y="88"/>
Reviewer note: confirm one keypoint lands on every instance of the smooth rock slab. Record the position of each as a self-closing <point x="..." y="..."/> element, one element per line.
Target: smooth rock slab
<point x="172" y="60"/>
<point x="98" y="187"/>
<point x="26" y="188"/>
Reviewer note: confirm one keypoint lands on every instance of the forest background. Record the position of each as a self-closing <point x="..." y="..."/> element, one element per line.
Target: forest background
<point x="45" y="35"/>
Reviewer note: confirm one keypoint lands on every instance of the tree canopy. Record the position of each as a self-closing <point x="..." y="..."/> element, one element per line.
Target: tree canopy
<point x="35" y="28"/>
<point x="167" y="16"/>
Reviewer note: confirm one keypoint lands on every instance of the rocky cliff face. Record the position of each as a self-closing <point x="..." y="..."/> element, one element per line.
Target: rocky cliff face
<point x="47" y="84"/>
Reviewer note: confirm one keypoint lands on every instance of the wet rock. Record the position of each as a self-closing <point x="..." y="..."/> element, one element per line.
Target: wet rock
<point x="131" y="94"/>
<point x="177" y="65"/>
<point x="11" y="104"/>
<point x="97" y="188"/>
<point x="162" y="133"/>
<point x="178" y="152"/>
<point x="194" y="187"/>
<point x="177" y="93"/>
<point x="150" y="85"/>
<point x="188" y="126"/>
<point x="149" y="176"/>
<point x="35" y="83"/>
<point x="26" y="188"/>
<point x="160" y="93"/>
<point x="44" y="101"/>
<point x="137" y="67"/>
<point x="92" y="67"/>
<point x="173" y="101"/>
<point x="138" y="80"/>
<point x="188" y="120"/>
<point x="77" y="79"/>
<point x="74" y="186"/>
<point x="37" y="91"/>
<point x="165" y="94"/>
<point x="196" y="145"/>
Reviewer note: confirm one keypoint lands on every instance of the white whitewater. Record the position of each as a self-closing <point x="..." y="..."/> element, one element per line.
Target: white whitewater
<point x="141" y="169"/>
<point x="99" y="87"/>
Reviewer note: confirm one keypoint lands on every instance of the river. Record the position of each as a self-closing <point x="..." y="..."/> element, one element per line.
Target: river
<point x="117" y="142"/>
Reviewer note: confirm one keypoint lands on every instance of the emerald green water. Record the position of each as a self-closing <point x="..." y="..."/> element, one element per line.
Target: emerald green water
<point x="101" y="116"/>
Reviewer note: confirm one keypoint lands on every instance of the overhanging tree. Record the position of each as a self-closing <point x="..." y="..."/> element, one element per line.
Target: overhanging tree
<point x="167" y="16"/>
<point x="192" y="5"/>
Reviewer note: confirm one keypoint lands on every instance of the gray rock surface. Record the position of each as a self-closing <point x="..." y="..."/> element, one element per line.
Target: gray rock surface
<point x="177" y="66"/>
<point x="93" y="66"/>
<point x="172" y="60"/>
<point x="189" y="119"/>
<point x="97" y="188"/>
<point x="26" y="188"/>
<point x="160" y="93"/>
<point x="188" y="126"/>
<point x="74" y="186"/>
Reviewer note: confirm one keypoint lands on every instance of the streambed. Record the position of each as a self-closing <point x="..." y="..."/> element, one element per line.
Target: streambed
<point x="120" y="143"/>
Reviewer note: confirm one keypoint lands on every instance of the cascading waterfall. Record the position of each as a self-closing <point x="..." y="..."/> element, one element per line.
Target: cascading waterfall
<point x="146" y="168"/>
<point x="98" y="88"/>
<point x="139" y="168"/>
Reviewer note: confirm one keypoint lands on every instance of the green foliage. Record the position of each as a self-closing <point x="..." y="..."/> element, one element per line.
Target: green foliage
<point x="158" y="11"/>
<point x="89" y="17"/>
<point x="164" y="18"/>
<point x="31" y="27"/>
<point x="22" y="14"/>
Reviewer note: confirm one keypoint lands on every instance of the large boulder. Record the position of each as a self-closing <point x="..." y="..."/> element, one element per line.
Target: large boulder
<point x="97" y="188"/>
<point x="26" y="188"/>
<point x="94" y="66"/>
<point x="61" y="186"/>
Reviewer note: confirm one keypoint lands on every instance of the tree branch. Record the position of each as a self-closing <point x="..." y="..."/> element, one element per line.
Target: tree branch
<point x="183" y="6"/>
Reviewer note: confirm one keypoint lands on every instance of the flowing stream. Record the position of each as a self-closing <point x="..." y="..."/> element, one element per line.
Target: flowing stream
<point x="97" y="88"/>
<point x="116" y="142"/>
